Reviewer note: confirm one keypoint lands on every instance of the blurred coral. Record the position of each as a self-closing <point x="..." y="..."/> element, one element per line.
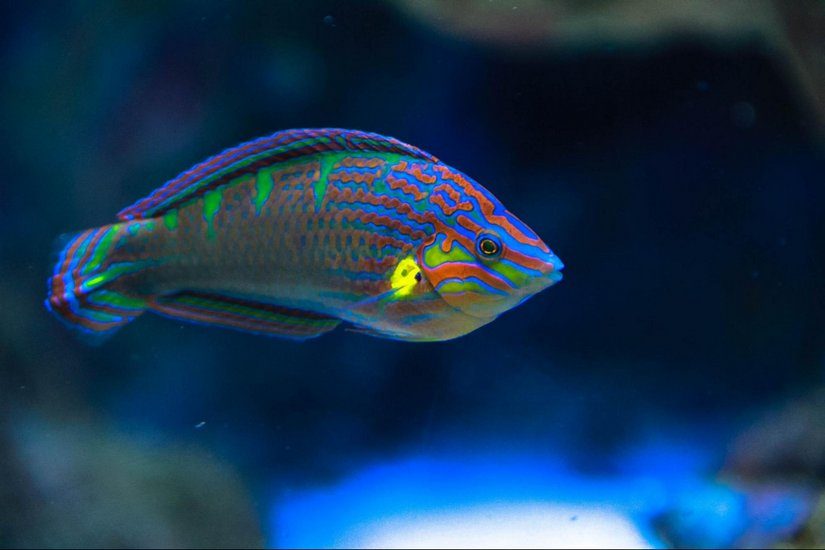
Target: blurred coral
<point x="787" y="444"/>
<point x="86" y="486"/>
<point x="790" y="31"/>
<point x="812" y="534"/>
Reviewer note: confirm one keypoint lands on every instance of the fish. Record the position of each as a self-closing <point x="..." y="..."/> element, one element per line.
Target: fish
<point x="295" y="233"/>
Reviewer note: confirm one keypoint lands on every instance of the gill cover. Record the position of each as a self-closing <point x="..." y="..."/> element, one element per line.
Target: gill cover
<point x="460" y="277"/>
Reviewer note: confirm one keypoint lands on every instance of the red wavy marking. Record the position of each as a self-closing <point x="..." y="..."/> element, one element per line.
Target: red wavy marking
<point x="468" y="224"/>
<point x="488" y="208"/>
<point x="393" y="223"/>
<point x="296" y="180"/>
<point x="386" y="240"/>
<point x="373" y="265"/>
<point x="415" y="171"/>
<point x="337" y="140"/>
<point x="455" y="196"/>
<point x="449" y="209"/>
<point x="362" y="162"/>
<point x="406" y="187"/>
<point x="464" y="270"/>
<point x="290" y="199"/>
<point x="450" y="237"/>
<point x="361" y="196"/>
<point x="346" y="260"/>
<point x="385" y="221"/>
<point x="357" y="177"/>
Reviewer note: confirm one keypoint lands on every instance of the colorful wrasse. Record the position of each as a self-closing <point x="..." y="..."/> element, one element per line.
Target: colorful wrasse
<point x="294" y="233"/>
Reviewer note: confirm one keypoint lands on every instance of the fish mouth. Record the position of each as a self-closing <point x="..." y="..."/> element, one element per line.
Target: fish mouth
<point x="551" y="272"/>
<point x="556" y="275"/>
<point x="546" y="271"/>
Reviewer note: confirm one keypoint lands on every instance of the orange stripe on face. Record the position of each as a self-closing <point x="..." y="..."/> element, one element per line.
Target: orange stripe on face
<point x="510" y="254"/>
<point x="468" y="224"/>
<point x="465" y="270"/>
<point x="452" y="236"/>
<point x="488" y="208"/>
<point x="528" y="261"/>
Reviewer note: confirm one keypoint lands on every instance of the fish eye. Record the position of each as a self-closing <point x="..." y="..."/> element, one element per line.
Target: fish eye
<point x="488" y="246"/>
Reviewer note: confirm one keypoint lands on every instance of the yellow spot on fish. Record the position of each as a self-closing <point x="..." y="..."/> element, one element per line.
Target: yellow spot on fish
<point x="404" y="278"/>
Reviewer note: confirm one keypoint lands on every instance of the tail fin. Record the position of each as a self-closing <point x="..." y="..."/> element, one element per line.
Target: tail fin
<point x="84" y="292"/>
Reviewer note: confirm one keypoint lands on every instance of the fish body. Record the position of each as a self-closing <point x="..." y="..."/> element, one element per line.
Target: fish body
<point x="295" y="233"/>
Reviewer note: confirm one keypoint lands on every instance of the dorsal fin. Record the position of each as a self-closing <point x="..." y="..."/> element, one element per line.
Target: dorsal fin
<point x="252" y="155"/>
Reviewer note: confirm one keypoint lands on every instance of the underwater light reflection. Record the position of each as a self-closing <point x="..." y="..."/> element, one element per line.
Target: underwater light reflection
<point x="495" y="501"/>
<point x="512" y="525"/>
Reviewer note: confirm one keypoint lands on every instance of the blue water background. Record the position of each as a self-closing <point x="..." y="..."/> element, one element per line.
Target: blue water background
<point x="681" y="183"/>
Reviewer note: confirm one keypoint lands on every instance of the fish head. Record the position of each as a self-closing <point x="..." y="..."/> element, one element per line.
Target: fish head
<point x="481" y="259"/>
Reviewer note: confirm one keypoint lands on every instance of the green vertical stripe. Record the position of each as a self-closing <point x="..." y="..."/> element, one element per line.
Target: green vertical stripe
<point x="263" y="188"/>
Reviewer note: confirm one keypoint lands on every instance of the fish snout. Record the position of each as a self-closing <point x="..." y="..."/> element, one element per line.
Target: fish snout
<point x="551" y="268"/>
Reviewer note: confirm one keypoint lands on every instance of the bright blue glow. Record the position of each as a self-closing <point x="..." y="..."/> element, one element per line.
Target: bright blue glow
<point x="532" y="500"/>
<point x="433" y="485"/>
<point x="708" y="517"/>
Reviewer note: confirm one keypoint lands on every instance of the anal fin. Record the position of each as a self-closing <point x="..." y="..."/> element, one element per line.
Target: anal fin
<point x="243" y="315"/>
